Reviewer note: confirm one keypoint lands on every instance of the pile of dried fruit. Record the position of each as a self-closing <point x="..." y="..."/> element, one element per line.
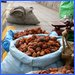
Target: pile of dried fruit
<point x="61" y="70"/>
<point x="38" y="45"/>
<point x="31" y="31"/>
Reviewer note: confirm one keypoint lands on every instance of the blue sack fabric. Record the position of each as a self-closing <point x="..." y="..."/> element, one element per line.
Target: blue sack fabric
<point x="20" y="63"/>
<point x="7" y="40"/>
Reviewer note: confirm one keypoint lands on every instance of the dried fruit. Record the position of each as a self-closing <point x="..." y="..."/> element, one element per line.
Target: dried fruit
<point x="37" y="45"/>
<point x="29" y="31"/>
<point x="64" y="70"/>
<point x="30" y="50"/>
<point x="55" y="71"/>
<point x="28" y="53"/>
<point x="42" y="53"/>
<point x="41" y="39"/>
<point x="44" y="46"/>
<point x="47" y="38"/>
<point x="38" y="53"/>
<point x="68" y="71"/>
<point x="34" y="54"/>
<point x="38" y="49"/>
<point x="57" y="44"/>
<point x="47" y="51"/>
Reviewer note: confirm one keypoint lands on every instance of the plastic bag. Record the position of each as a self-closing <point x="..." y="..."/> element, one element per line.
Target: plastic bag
<point x="18" y="62"/>
<point x="66" y="9"/>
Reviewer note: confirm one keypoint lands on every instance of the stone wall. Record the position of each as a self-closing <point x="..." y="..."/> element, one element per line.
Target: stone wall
<point x="52" y="5"/>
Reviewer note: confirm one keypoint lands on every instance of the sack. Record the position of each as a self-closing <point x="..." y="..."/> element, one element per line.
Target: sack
<point x="10" y="34"/>
<point x="21" y="15"/>
<point x="7" y="40"/>
<point x="66" y="9"/>
<point x="19" y="63"/>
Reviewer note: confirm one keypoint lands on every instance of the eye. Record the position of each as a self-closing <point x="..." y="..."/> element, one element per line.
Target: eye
<point x="18" y="14"/>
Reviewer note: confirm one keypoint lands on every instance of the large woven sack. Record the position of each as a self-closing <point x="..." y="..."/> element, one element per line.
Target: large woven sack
<point x="9" y="37"/>
<point x="21" y="15"/>
<point x="18" y="62"/>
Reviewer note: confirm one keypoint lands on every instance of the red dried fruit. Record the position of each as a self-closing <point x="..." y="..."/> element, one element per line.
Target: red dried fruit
<point x="30" y="44"/>
<point x="22" y="46"/>
<point x="57" y="44"/>
<point x="51" y="42"/>
<point x="41" y="39"/>
<point x="55" y="49"/>
<point x="34" y="54"/>
<point x="39" y="31"/>
<point x="47" y="38"/>
<point x="28" y="53"/>
<point x="47" y="51"/>
<point x="42" y="53"/>
<point x="35" y="44"/>
<point x="21" y="49"/>
<point x="30" y="50"/>
<point x="68" y="71"/>
<point x="44" y="46"/>
<point x="39" y="28"/>
<point x="39" y="44"/>
<point x="55" y="69"/>
<point x="44" y="72"/>
<point x="64" y="70"/>
<point x="30" y="32"/>
<point x="30" y="47"/>
<point x="68" y="67"/>
<point x="61" y="70"/>
<point x="17" y="44"/>
<point x="72" y="70"/>
<point x="38" y="49"/>
<point x="52" y="72"/>
<point x="38" y="53"/>
<point x="34" y="36"/>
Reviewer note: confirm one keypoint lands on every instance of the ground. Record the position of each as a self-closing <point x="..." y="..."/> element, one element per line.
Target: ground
<point x="45" y="15"/>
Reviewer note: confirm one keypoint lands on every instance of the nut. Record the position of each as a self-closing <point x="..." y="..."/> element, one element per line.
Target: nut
<point x="28" y="53"/>
<point x="38" y="53"/>
<point x="34" y="54"/>
<point x="42" y="53"/>
<point x="44" y="46"/>
<point x="30" y="50"/>
<point x="47" y="51"/>
<point x="37" y="45"/>
<point x="38" y="49"/>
